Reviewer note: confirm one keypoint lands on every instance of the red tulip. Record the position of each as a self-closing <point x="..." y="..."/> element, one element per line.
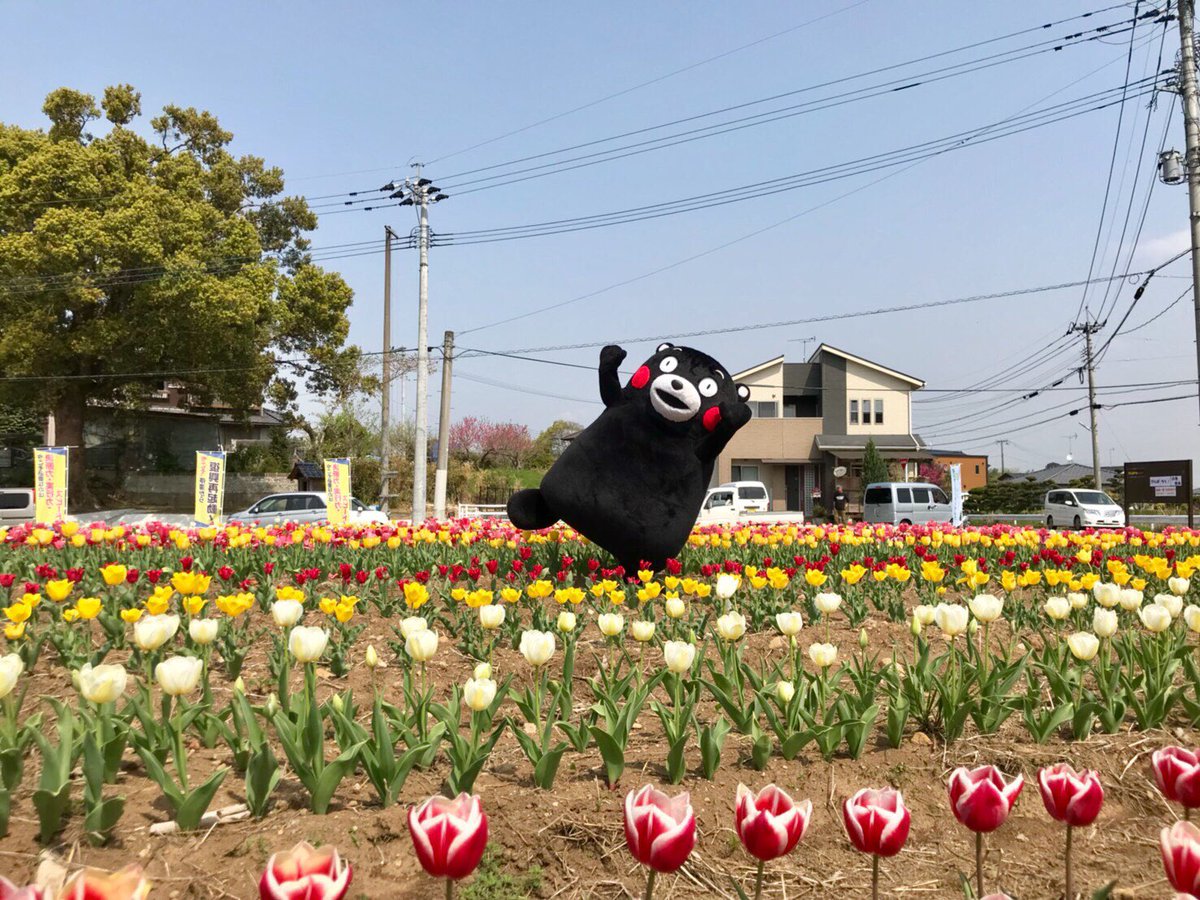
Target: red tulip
<point x="9" y="891"/>
<point x="449" y="835"/>
<point x="982" y="798"/>
<point x="1177" y="773"/>
<point x="305" y="873"/>
<point x="769" y="823"/>
<point x="1071" y="797"/>
<point x="659" y="830"/>
<point x="1180" y="845"/>
<point x="877" y="821"/>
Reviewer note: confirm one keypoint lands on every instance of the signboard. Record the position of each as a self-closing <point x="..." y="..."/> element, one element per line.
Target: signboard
<point x="337" y="490"/>
<point x="210" y="486"/>
<point x="50" y="484"/>
<point x="956" y="495"/>
<point x="1159" y="481"/>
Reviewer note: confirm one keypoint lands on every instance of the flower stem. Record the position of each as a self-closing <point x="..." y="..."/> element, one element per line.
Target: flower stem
<point x="650" y="884"/>
<point x="449" y="889"/>
<point x="979" y="864"/>
<point x="875" y="876"/>
<point x="1070" y="875"/>
<point x="758" y="881"/>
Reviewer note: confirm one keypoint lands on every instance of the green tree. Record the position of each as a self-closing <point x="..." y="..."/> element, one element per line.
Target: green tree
<point x="874" y="466"/>
<point x="161" y="252"/>
<point x="549" y="445"/>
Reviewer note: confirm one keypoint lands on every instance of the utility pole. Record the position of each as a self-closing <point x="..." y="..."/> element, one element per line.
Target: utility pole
<point x="1002" y="443"/>
<point x="443" y="449"/>
<point x="1191" y="129"/>
<point x="421" y="192"/>
<point x="1089" y="328"/>
<point x="385" y="412"/>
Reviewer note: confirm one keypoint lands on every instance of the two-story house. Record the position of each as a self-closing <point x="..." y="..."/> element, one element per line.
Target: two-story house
<point x="814" y="418"/>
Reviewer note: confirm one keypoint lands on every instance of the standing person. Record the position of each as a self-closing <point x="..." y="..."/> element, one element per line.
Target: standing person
<point x="839" y="505"/>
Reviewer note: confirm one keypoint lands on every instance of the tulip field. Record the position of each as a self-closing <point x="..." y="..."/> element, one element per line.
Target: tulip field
<point x="785" y="711"/>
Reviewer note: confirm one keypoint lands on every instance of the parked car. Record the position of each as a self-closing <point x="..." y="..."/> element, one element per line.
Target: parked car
<point x="905" y="503"/>
<point x="303" y="506"/>
<point x="16" y="505"/>
<point x="1081" y="508"/>
<point x="748" y="496"/>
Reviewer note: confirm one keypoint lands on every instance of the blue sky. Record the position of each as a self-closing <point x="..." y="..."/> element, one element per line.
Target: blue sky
<point x="344" y="96"/>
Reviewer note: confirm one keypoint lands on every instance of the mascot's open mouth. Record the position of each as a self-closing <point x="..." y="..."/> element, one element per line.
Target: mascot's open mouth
<point x="675" y="399"/>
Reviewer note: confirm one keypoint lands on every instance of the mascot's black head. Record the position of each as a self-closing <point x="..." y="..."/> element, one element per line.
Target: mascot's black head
<point x="682" y="387"/>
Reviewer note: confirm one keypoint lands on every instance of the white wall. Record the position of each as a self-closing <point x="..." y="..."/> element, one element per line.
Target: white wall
<point x="864" y="383"/>
<point x="767" y="386"/>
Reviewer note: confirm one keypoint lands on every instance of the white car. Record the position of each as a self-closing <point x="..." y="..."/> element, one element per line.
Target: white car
<point x="747" y="496"/>
<point x="304" y="506"/>
<point x="1078" y="508"/>
<point x="16" y="505"/>
<point x="905" y="503"/>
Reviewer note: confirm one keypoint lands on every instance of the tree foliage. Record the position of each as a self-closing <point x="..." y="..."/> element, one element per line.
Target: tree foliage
<point x="489" y="443"/>
<point x="549" y="445"/>
<point x="131" y="252"/>
<point x="874" y="466"/>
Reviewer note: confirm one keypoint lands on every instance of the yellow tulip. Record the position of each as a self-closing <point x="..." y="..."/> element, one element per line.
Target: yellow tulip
<point x="67" y="529"/>
<point x="31" y="600"/>
<point x="193" y="604"/>
<point x="88" y="607"/>
<point x="852" y="575"/>
<point x="130" y="615"/>
<point x="70" y="614"/>
<point x="415" y="594"/>
<point x="327" y="605"/>
<point x="815" y="577"/>
<point x="59" y="589"/>
<point x="288" y="592"/>
<point x="113" y="574"/>
<point x="18" y="612"/>
<point x="510" y="594"/>
<point x="344" y="612"/>
<point x="15" y="631"/>
<point x="540" y="590"/>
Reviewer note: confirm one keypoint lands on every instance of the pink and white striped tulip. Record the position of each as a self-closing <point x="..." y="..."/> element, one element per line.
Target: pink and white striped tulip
<point x="1180" y="846"/>
<point x="1071" y="797"/>
<point x="877" y="821"/>
<point x="770" y="823"/>
<point x="1177" y="774"/>
<point x="305" y="873"/>
<point x="660" y="831"/>
<point x="982" y="798"/>
<point x="449" y="835"/>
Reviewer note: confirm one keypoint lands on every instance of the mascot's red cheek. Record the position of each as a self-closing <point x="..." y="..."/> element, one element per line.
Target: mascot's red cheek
<point x="641" y="377"/>
<point x="711" y="418"/>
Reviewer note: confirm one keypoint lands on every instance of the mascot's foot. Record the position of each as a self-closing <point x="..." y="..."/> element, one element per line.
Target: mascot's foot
<point x="527" y="510"/>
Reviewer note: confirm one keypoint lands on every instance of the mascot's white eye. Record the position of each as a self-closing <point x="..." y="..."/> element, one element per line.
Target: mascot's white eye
<point x="669" y="364"/>
<point x="708" y="387"/>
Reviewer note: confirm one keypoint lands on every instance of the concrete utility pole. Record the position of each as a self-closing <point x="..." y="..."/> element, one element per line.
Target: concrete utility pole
<point x="421" y="192"/>
<point x="1002" y="443"/>
<point x="1191" y="128"/>
<point x="385" y="412"/>
<point x="443" y="450"/>
<point x="1089" y="328"/>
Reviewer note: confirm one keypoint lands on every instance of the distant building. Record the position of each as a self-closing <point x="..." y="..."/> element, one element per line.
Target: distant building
<point x="974" y="467"/>
<point x="813" y="417"/>
<point x="1064" y="474"/>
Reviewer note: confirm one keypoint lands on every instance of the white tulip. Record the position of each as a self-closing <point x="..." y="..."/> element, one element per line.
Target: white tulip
<point x="676" y="608"/>
<point x="307" y="642"/>
<point x="479" y="693"/>
<point x="1083" y="645"/>
<point x="789" y="623"/>
<point x="1077" y="600"/>
<point x="203" y="631"/>
<point x="825" y="655"/>
<point x="1104" y="623"/>
<point x="678" y="656"/>
<point x="179" y="675"/>
<point x="537" y="647"/>
<point x="731" y="626"/>
<point x="566" y="621"/>
<point x="1170" y="602"/>
<point x="1057" y="608"/>
<point x="1191" y="615"/>
<point x="287" y="613"/>
<point x="1155" y="618"/>
<point x="611" y="624"/>
<point x="11" y="667"/>
<point x="151" y="632"/>
<point x="1131" y="599"/>
<point x="1106" y="594"/>
<point x="642" y="631"/>
<point x="1178" y="586"/>
<point x="491" y="616"/>
<point x="785" y="691"/>
<point x="371" y="657"/>
<point x="726" y="586"/>
<point x="951" y="618"/>
<point x="827" y="602"/>
<point x="924" y="614"/>
<point x="101" y="684"/>
<point x="482" y="670"/>
<point x="411" y="625"/>
<point x="986" y="607"/>
<point x="421" y="645"/>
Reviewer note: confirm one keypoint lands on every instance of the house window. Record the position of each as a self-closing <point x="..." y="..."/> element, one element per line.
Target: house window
<point x="743" y="473"/>
<point x="878" y="411"/>
<point x="853" y="412"/>
<point x="764" y="409"/>
<point x="977" y="470"/>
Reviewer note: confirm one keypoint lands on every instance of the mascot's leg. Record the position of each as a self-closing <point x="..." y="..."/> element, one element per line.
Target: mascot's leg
<point x="529" y="511"/>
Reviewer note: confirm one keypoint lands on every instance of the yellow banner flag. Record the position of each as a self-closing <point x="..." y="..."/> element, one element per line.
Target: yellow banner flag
<point x="50" y="484"/>
<point x="337" y="490"/>
<point x="210" y="486"/>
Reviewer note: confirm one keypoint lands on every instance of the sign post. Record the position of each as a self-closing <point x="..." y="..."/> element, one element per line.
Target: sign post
<point x="210" y="486"/>
<point x="1160" y="481"/>
<point x="337" y="490"/>
<point x="50" y="484"/>
<point x="956" y="495"/>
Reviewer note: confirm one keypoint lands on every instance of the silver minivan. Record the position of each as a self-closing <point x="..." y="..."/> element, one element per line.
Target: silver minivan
<point x="905" y="503"/>
<point x="16" y="505"/>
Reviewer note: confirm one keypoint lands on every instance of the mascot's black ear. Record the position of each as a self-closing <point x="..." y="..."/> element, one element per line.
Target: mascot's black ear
<point x="664" y="346"/>
<point x="743" y="393"/>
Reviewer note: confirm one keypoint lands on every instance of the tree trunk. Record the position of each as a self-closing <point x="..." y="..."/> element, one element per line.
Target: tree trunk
<point x="69" y="415"/>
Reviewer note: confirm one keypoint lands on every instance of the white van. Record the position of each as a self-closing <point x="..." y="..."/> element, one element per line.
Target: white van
<point x="16" y="505"/>
<point x="748" y="496"/>
<point x="905" y="503"/>
<point x="1080" y="508"/>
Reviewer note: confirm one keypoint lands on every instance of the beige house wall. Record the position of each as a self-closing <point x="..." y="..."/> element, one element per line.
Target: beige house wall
<point x="864" y="383"/>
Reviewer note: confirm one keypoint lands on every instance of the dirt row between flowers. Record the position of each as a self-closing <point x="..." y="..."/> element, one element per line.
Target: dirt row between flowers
<point x="569" y="842"/>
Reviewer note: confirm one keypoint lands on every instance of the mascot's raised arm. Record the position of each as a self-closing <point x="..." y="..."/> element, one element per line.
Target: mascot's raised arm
<point x="633" y="481"/>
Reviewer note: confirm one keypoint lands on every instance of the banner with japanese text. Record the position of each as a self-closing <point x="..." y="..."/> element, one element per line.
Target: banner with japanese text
<point x="337" y="490"/>
<point x="210" y="486"/>
<point x="50" y="484"/>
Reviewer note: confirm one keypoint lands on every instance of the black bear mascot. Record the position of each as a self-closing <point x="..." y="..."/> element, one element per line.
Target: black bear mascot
<point x="634" y="480"/>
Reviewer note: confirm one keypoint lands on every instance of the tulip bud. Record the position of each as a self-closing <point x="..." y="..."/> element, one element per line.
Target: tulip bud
<point x="272" y="705"/>
<point x="973" y="627"/>
<point x="785" y="691"/>
<point x="863" y="640"/>
<point x="239" y="686"/>
<point x="482" y="672"/>
<point x="337" y="703"/>
<point x="371" y="657"/>
<point x="916" y="627"/>
<point x="566" y="622"/>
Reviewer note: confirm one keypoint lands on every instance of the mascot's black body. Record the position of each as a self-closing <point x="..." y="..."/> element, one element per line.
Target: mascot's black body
<point x="634" y="480"/>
